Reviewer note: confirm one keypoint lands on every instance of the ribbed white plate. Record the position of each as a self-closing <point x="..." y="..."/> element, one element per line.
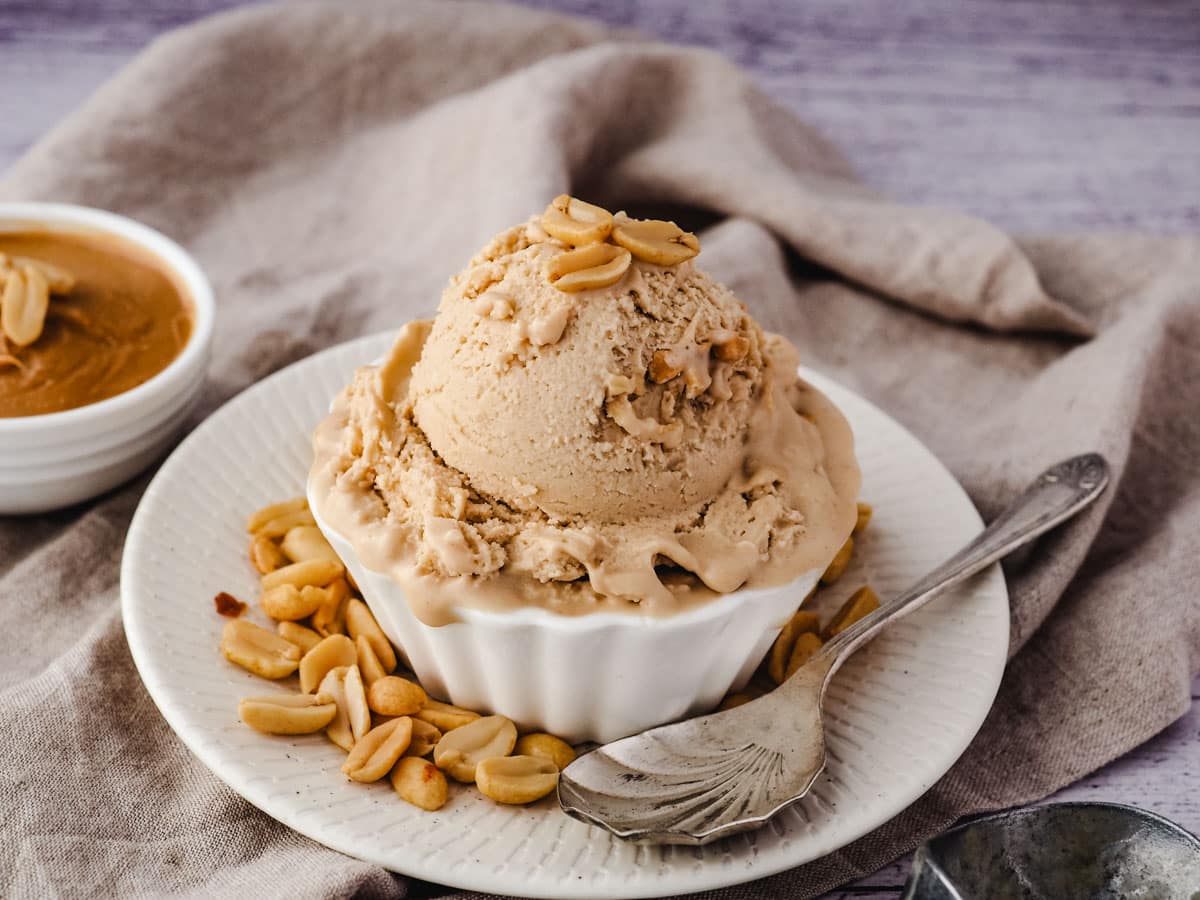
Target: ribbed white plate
<point x="899" y="713"/>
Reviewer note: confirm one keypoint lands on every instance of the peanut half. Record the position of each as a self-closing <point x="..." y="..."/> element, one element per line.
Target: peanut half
<point x="576" y="223"/>
<point x="261" y="517"/>
<point x="395" y="696"/>
<point x="655" y="241"/>
<point x="368" y="662"/>
<point x="330" y="618"/>
<point x="265" y="556"/>
<point x="516" y="779"/>
<point x="333" y="651"/>
<point x="304" y="638"/>
<point x="587" y="268"/>
<point x="546" y="746"/>
<point x="461" y="750"/>
<point x="837" y="568"/>
<point x="59" y="279"/>
<point x="806" y="645"/>
<point x="445" y="717"/>
<point x="377" y="751"/>
<point x="802" y="621"/>
<point x="352" y="720"/>
<point x="305" y="542"/>
<point x="361" y="623"/>
<point x="419" y="782"/>
<point x="288" y="713"/>
<point x="864" y="516"/>
<point x="258" y="650"/>
<point x="424" y="738"/>
<point x="861" y="603"/>
<point x="23" y="305"/>
<point x="311" y="572"/>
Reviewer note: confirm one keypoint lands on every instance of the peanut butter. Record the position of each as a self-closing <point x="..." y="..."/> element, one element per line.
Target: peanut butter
<point x="122" y="321"/>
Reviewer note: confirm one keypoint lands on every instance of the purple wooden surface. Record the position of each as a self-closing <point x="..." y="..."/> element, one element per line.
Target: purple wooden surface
<point x="1036" y="115"/>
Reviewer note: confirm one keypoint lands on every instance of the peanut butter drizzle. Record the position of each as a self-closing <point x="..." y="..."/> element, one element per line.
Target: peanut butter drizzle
<point x="123" y="322"/>
<point x="811" y="454"/>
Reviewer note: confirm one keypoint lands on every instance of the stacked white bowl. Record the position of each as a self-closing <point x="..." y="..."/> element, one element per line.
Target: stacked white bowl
<point x="58" y="459"/>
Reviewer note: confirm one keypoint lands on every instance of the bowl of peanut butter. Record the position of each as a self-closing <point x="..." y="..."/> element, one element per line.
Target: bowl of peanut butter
<point x="105" y="329"/>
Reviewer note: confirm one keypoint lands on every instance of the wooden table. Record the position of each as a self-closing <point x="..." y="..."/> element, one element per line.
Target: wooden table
<point x="1035" y="115"/>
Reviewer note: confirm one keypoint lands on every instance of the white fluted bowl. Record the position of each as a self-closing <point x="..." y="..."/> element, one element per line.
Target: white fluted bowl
<point x="594" y="677"/>
<point x="58" y="459"/>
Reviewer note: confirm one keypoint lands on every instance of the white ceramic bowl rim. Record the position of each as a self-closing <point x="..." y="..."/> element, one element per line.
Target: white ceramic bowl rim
<point x="173" y="256"/>
<point x="716" y="608"/>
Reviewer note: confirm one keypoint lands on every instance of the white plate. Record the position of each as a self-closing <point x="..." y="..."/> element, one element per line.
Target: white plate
<point x="899" y="713"/>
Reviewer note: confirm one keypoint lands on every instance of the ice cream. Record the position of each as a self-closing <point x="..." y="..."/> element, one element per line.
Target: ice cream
<point x="584" y="429"/>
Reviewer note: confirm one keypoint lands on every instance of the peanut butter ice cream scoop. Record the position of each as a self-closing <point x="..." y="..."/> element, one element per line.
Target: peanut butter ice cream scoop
<point x="590" y="422"/>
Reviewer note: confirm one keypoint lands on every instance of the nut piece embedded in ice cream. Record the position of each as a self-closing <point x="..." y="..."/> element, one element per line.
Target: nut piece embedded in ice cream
<point x="461" y="750"/>
<point x="259" y="651"/>
<point x="663" y="367"/>
<point x="516" y="779"/>
<point x="588" y="268"/>
<point x="23" y="305"/>
<point x="655" y="241"/>
<point x="576" y="223"/>
<point x="732" y="349"/>
<point x="288" y="713"/>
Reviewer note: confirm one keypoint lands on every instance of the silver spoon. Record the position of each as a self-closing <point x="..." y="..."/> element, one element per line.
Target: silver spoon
<point x="706" y="778"/>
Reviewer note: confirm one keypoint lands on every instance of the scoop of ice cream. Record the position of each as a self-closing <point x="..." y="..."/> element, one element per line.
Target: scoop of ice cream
<point x="610" y="404"/>
<point x="634" y="440"/>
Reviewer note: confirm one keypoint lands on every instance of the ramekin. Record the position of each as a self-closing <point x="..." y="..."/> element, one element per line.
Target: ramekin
<point x="594" y="677"/>
<point x="58" y="459"/>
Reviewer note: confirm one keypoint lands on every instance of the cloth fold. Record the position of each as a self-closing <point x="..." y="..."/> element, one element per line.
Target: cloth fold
<point x="330" y="165"/>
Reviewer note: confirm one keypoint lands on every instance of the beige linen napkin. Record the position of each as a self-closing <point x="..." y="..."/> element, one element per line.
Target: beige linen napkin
<point x="331" y="164"/>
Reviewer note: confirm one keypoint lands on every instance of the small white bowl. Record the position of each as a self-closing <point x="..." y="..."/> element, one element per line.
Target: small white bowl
<point x="595" y="677"/>
<point x="57" y="459"/>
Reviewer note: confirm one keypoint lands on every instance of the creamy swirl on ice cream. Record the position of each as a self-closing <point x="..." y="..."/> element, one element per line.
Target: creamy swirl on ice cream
<point x="642" y="445"/>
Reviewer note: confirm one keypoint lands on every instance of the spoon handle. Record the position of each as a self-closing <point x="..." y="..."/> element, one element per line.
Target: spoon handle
<point x="1058" y="493"/>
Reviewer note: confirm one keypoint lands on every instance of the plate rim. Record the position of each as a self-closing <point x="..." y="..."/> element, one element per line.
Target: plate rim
<point x="695" y="879"/>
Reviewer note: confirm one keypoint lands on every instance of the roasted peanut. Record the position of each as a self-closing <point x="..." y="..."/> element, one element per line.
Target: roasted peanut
<point x="663" y="367"/>
<point x="419" y="782"/>
<point x="424" y="738"/>
<point x="838" y="567"/>
<point x="781" y="651"/>
<point x="258" y="650"/>
<point x="377" y="751"/>
<point x="361" y="623"/>
<point x="654" y="241"/>
<point x="338" y="730"/>
<point x="265" y="556"/>
<point x="368" y="662"/>
<point x="261" y="517"/>
<point x="330" y="617"/>
<point x="864" y="516"/>
<point x="516" y="779"/>
<point x="312" y="572"/>
<point x="333" y="651"/>
<point x="357" y="710"/>
<point x="547" y="746"/>
<point x="445" y="717"/>
<point x="461" y="750"/>
<point x="288" y="713"/>
<point x="806" y="645"/>
<point x="588" y="268"/>
<point x="304" y="638"/>
<point x="59" y="280"/>
<point x="395" y="696"/>
<point x="576" y="223"/>
<point x="228" y="605"/>
<point x="278" y="527"/>
<point x="290" y="603"/>
<point x="305" y="542"/>
<point x="861" y="603"/>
